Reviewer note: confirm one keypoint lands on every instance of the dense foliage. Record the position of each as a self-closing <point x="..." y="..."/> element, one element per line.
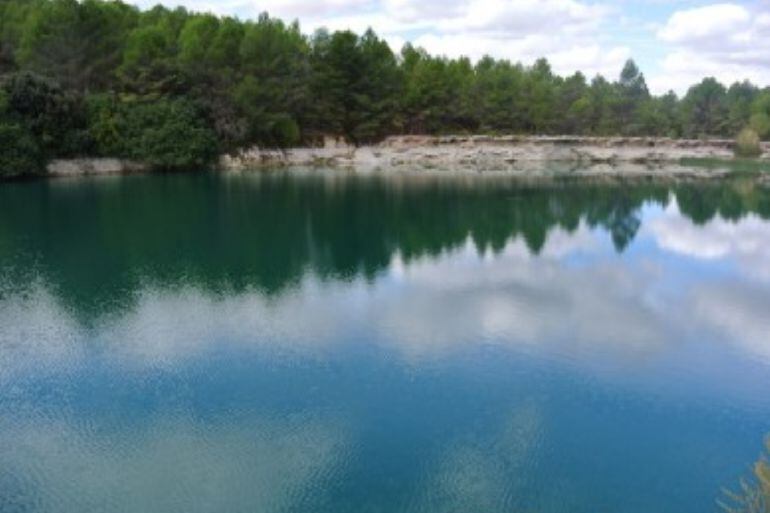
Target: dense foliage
<point x="174" y="88"/>
<point x="167" y="133"/>
<point x="747" y="144"/>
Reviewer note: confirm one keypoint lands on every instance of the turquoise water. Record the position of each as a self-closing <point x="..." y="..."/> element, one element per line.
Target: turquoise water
<point x="329" y="342"/>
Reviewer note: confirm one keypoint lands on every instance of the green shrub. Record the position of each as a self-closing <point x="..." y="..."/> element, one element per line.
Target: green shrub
<point x="104" y="124"/>
<point x="164" y="133"/>
<point x="54" y="117"/>
<point x="747" y="144"/>
<point x="285" y="132"/>
<point x="760" y="123"/>
<point x="20" y="155"/>
<point x="264" y="126"/>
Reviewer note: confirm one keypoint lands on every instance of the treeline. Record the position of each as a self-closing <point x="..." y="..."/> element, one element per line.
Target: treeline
<point x="174" y="89"/>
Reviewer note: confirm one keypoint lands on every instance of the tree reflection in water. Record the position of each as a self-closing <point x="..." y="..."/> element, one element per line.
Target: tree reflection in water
<point x="99" y="239"/>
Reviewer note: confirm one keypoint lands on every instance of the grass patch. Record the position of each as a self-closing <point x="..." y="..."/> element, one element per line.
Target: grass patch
<point x="735" y="165"/>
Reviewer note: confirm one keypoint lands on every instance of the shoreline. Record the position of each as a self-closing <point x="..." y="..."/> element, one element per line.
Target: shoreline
<point x="527" y="157"/>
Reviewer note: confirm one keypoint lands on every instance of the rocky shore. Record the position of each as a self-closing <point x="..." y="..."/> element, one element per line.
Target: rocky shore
<point x="531" y="156"/>
<point x="639" y="157"/>
<point x="94" y="166"/>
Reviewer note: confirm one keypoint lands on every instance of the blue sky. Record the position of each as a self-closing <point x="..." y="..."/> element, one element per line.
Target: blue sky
<point x="676" y="42"/>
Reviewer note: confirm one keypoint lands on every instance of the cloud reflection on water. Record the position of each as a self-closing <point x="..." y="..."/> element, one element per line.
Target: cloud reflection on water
<point x="171" y="463"/>
<point x="487" y="474"/>
<point x="576" y="293"/>
<point x="745" y="243"/>
<point x="399" y="335"/>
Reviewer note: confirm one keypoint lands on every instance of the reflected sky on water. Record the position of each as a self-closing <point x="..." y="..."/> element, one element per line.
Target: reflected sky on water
<point x="338" y="342"/>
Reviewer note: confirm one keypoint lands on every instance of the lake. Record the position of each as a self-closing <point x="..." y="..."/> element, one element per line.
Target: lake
<point x="333" y="342"/>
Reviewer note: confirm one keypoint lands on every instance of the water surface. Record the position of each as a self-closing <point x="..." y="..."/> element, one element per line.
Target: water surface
<point x="333" y="342"/>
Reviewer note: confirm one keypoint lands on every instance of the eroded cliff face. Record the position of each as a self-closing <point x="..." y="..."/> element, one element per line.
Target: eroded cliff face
<point x="522" y="155"/>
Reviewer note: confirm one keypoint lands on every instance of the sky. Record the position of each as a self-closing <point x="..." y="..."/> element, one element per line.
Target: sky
<point x="675" y="42"/>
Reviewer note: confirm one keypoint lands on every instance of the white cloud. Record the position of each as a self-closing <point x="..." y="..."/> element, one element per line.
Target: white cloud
<point x="303" y="10"/>
<point x="526" y="17"/>
<point x="420" y="12"/>
<point x="567" y="32"/>
<point x="591" y="60"/>
<point x="705" y="23"/>
<point x="728" y="41"/>
<point x="223" y="7"/>
<point x="523" y="31"/>
<point x="586" y="56"/>
<point x="356" y="15"/>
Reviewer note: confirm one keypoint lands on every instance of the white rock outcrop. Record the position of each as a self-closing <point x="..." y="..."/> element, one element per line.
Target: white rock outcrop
<point x="521" y="155"/>
<point x="93" y="166"/>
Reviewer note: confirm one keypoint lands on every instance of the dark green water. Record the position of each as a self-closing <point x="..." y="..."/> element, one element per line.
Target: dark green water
<point x="406" y="343"/>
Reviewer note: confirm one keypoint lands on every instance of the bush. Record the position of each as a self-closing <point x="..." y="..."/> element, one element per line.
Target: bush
<point x="164" y="134"/>
<point x="54" y="117"/>
<point x="104" y="120"/>
<point x="747" y="144"/>
<point x="266" y="127"/>
<point x="760" y="123"/>
<point x="21" y="155"/>
<point x="285" y="132"/>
